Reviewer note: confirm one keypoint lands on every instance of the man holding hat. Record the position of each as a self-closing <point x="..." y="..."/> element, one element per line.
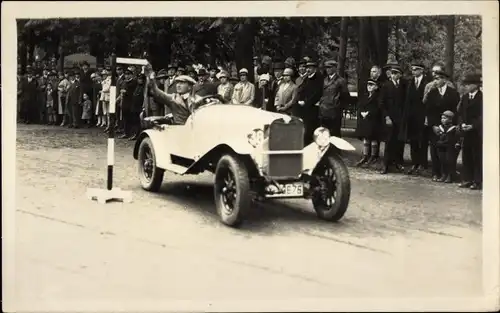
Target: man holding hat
<point x="244" y="91"/>
<point x="225" y="88"/>
<point x="392" y="103"/>
<point x="470" y="122"/>
<point x="286" y="95"/>
<point x="441" y="98"/>
<point x="413" y="123"/>
<point x="308" y="97"/>
<point x="334" y="98"/>
<point x="180" y="103"/>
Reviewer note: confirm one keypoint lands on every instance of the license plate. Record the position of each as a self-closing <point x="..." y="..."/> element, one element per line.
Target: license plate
<point x="295" y="189"/>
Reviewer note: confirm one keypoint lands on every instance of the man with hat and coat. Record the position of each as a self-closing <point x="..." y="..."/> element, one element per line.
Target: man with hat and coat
<point x="73" y="101"/>
<point x="158" y="109"/>
<point x="308" y="97"/>
<point x="203" y="87"/>
<point x="127" y="99"/>
<point x="170" y="78"/>
<point x="334" y="99"/>
<point x="212" y="78"/>
<point x="392" y="101"/>
<point x="28" y="97"/>
<point x="181" y="103"/>
<point x="439" y="99"/>
<point x="413" y="127"/>
<point x="470" y="123"/>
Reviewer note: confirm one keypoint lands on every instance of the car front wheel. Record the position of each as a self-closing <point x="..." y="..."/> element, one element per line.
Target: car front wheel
<point x="332" y="187"/>
<point x="150" y="176"/>
<point x="232" y="190"/>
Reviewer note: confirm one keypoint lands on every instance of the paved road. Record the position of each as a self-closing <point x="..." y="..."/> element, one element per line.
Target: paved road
<point x="402" y="236"/>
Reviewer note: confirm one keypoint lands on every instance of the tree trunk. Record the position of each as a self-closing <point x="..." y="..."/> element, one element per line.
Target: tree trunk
<point x="244" y="46"/>
<point x="343" y="45"/>
<point x="450" y="45"/>
<point x="23" y="54"/>
<point x="396" y="40"/>
<point x="363" y="55"/>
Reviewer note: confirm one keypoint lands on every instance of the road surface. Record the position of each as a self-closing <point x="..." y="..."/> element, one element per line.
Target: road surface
<point x="401" y="237"/>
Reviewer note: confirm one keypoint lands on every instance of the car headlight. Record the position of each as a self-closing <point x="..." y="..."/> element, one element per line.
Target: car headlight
<point x="322" y="137"/>
<point x="256" y="138"/>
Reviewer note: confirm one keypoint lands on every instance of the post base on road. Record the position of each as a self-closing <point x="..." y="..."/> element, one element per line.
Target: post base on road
<point x="104" y="195"/>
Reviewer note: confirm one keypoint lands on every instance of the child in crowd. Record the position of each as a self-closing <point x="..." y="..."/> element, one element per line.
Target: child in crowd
<point x="447" y="146"/>
<point x="50" y="104"/>
<point x="369" y="124"/>
<point x="86" y="110"/>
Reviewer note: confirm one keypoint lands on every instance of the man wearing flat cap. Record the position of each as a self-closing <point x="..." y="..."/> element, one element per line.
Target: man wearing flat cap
<point x="127" y="101"/>
<point x="244" y="91"/>
<point x="308" y="97"/>
<point x="439" y="99"/>
<point x="413" y="127"/>
<point x="180" y="103"/>
<point x="392" y="101"/>
<point x="470" y="122"/>
<point x="334" y="99"/>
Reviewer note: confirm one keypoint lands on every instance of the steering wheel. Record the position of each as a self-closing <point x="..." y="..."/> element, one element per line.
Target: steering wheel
<point x="205" y="100"/>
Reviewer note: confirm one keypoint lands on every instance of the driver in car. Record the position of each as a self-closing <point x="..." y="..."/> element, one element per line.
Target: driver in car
<point x="181" y="103"/>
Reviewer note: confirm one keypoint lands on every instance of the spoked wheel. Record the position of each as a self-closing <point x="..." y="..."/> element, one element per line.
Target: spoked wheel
<point x="150" y="176"/>
<point x="332" y="188"/>
<point x="231" y="190"/>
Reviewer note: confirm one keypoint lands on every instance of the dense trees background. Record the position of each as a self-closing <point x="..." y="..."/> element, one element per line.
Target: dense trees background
<point x="357" y="42"/>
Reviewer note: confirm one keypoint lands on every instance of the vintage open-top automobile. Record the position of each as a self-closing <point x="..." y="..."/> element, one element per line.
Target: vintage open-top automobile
<point x="253" y="153"/>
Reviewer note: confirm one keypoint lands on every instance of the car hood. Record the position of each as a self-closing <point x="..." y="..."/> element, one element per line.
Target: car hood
<point x="235" y="115"/>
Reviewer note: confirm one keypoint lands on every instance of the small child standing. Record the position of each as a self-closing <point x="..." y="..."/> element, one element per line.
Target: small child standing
<point x="50" y="99"/>
<point x="447" y="147"/>
<point x="86" y="109"/>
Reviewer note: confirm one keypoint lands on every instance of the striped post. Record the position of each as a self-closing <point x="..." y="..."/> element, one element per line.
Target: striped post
<point x="112" y="119"/>
<point x="110" y="193"/>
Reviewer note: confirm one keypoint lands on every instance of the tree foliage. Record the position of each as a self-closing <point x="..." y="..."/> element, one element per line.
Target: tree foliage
<point x="209" y="40"/>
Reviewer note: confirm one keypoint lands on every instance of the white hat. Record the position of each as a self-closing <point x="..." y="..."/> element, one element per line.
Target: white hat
<point x="185" y="78"/>
<point x="265" y="77"/>
<point x="243" y="70"/>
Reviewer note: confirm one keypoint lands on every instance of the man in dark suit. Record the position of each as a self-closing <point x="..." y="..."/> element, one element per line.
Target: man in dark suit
<point x="391" y="104"/>
<point x="334" y="99"/>
<point x="87" y="82"/>
<point x="440" y="98"/>
<point x="73" y="102"/>
<point x="204" y="87"/>
<point x="470" y="121"/>
<point x="413" y="124"/>
<point x="127" y="99"/>
<point x="28" y="98"/>
<point x="308" y="96"/>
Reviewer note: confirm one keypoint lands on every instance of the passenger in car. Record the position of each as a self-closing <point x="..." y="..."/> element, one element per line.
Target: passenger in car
<point x="180" y="103"/>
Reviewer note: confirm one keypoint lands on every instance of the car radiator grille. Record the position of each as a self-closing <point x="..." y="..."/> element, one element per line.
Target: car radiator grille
<point x="285" y="136"/>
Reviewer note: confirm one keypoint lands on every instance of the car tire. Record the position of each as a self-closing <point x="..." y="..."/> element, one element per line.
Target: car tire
<point x="341" y="188"/>
<point x="150" y="175"/>
<point x="232" y="190"/>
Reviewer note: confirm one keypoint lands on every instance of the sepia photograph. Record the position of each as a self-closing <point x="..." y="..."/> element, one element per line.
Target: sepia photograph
<point x="250" y="156"/>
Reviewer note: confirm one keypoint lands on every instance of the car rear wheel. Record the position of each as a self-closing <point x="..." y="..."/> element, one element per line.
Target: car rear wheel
<point x="333" y="188"/>
<point x="232" y="190"/>
<point x="150" y="175"/>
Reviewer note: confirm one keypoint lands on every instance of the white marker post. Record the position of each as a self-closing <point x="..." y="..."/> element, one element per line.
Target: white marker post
<point x="104" y="195"/>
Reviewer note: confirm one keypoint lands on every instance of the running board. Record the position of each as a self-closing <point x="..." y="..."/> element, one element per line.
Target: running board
<point x="176" y="169"/>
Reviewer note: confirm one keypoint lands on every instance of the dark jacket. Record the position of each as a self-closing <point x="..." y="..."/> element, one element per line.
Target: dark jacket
<point x="128" y="96"/>
<point x="412" y="126"/>
<point x="335" y="97"/>
<point x="437" y="104"/>
<point x="370" y="126"/>
<point x="447" y="136"/>
<point x="29" y="90"/>
<point x="138" y="98"/>
<point x="75" y="95"/>
<point x="310" y="92"/>
<point x="392" y="100"/>
<point x="205" y="89"/>
<point x="470" y="112"/>
<point x="261" y="94"/>
<point x="86" y="82"/>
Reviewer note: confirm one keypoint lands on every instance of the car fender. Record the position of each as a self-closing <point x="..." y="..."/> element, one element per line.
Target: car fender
<point x="158" y="140"/>
<point x="312" y="155"/>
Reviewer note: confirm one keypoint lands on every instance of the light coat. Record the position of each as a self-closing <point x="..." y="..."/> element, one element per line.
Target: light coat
<point x="244" y="93"/>
<point x="286" y="97"/>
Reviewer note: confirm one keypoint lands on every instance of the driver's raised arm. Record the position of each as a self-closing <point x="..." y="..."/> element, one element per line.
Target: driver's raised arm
<point x="159" y="94"/>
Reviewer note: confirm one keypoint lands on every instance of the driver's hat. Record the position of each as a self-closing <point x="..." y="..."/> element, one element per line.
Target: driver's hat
<point x="185" y="78"/>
